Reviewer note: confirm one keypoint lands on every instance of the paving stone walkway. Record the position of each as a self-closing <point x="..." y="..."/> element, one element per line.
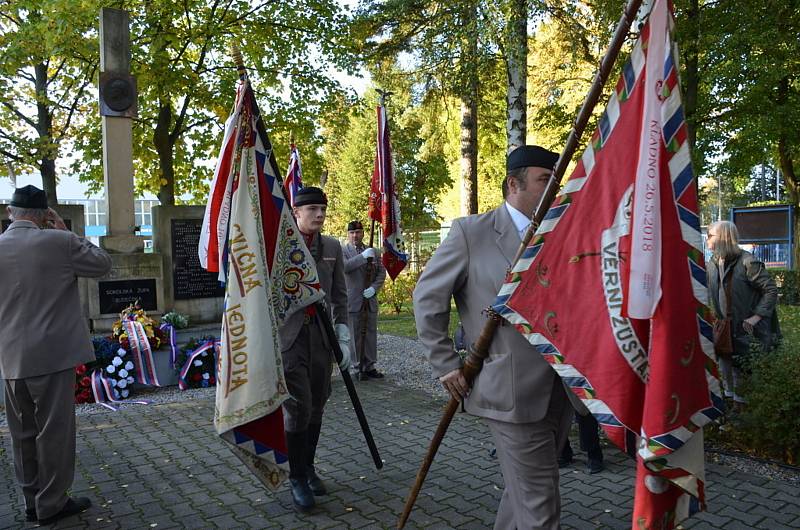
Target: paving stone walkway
<point x="161" y="466"/>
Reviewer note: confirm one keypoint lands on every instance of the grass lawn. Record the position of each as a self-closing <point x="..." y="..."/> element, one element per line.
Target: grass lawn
<point x="403" y="324"/>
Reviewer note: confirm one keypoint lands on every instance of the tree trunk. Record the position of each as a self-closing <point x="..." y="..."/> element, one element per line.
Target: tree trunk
<point x="792" y="192"/>
<point x="165" y="149"/>
<point x="517" y="71"/>
<point x="44" y="125"/>
<point x="469" y="155"/>
<point x="691" y="72"/>
<point x="469" y="112"/>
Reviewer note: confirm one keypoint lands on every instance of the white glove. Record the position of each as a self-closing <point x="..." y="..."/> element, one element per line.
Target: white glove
<point x="369" y="252"/>
<point x="343" y="336"/>
<point x="369" y="292"/>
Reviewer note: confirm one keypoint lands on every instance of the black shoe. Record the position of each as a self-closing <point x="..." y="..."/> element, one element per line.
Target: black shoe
<point x="73" y="507"/>
<point x="594" y="466"/>
<point x="302" y="497"/>
<point x="315" y="483"/>
<point x="374" y="374"/>
<point x="30" y="515"/>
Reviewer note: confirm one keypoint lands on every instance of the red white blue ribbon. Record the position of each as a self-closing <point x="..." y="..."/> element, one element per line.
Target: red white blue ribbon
<point x="173" y="355"/>
<point x="206" y="346"/>
<point x="103" y="391"/>
<point x="143" y="360"/>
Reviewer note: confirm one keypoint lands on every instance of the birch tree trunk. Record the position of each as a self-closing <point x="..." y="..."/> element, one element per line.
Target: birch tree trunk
<point x="469" y="111"/>
<point x="517" y="71"/>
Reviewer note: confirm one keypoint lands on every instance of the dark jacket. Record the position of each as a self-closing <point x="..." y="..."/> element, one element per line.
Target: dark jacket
<point x="753" y="292"/>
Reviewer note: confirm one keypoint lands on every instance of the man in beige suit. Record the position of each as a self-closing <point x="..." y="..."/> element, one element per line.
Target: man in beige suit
<point x="362" y="300"/>
<point x="308" y="354"/>
<point x="517" y="392"/>
<point x="43" y="336"/>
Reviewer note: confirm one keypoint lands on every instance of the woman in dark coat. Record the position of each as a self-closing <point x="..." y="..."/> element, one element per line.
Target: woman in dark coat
<point x="753" y="294"/>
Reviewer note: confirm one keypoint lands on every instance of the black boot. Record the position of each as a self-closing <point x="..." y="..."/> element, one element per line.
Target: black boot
<point x="314" y="482"/>
<point x="302" y="497"/>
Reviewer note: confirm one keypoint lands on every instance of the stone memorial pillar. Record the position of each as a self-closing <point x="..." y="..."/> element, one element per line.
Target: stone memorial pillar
<point x="134" y="275"/>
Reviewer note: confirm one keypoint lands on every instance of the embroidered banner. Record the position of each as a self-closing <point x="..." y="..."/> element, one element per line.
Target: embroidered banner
<point x="250" y="237"/>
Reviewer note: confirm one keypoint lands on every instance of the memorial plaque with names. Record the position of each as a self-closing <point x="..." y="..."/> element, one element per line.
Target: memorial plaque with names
<point x="5" y="223"/>
<point x="116" y="295"/>
<point x="189" y="280"/>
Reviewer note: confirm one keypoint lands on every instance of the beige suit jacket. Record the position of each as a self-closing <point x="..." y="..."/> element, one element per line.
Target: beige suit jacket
<point x="470" y="266"/>
<point x="42" y="327"/>
<point x="330" y="267"/>
<point x="355" y="270"/>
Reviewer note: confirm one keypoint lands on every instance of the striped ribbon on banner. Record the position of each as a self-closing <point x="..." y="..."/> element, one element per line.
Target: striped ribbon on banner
<point x="142" y="354"/>
<point x="208" y="345"/>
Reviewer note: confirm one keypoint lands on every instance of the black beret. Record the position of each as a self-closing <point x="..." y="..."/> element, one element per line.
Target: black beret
<point x="354" y="225"/>
<point x="310" y="195"/>
<point x="29" y="197"/>
<point x="531" y="156"/>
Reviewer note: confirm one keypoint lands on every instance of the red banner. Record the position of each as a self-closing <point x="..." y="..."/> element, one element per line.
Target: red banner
<point x="651" y="383"/>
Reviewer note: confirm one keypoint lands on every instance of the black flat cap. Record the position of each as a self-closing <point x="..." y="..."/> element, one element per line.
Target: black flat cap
<point x="29" y="197"/>
<point x="354" y="225"/>
<point x="531" y="156"/>
<point x="310" y="195"/>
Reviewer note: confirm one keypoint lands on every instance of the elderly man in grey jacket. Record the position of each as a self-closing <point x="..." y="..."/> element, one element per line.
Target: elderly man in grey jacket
<point x="43" y="336"/>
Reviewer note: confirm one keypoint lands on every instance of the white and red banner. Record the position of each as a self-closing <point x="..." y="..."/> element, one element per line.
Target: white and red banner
<point x="652" y="383"/>
<point x="384" y="207"/>
<point x="294" y="175"/>
<point x="250" y="238"/>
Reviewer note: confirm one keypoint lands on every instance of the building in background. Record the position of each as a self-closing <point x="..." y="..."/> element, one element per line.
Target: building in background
<point x="72" y="191"/>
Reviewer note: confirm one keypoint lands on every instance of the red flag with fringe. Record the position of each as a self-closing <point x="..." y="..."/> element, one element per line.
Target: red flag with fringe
<point x="624" y="233"/>
<point x="384" y="207"/>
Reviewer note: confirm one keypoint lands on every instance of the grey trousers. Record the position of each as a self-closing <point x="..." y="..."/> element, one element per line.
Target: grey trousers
<point x="307" y="369"/>
<point x="370" y="341"/>
<point x="41" y="420"/>
<point x="528" y="460"/>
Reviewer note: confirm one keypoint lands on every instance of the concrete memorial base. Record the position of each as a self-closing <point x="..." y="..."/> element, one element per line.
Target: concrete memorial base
<point x="132" y="277"/>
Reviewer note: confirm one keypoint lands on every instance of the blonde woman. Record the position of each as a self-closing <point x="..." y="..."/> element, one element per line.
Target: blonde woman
<point x="751" y="307"/>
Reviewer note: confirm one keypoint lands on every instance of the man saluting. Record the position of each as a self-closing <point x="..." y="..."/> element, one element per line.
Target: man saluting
<point x="43" y="337"/>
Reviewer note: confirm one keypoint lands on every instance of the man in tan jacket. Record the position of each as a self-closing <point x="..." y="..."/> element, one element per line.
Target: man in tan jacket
<point x="517" y="392"/>
<point x="43" y="336"/>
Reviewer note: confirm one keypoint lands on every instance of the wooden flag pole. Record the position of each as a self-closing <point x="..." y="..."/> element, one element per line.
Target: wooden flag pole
<point x="479" y="351"/>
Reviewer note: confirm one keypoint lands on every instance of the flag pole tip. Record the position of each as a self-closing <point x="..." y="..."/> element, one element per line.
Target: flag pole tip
<point x="236" y="54"/>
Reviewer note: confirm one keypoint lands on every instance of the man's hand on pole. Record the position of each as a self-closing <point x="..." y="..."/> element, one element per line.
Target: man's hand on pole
<point x="368" y="252"/>
<point x="455" y="384"/>
<point x="369" y="292"/>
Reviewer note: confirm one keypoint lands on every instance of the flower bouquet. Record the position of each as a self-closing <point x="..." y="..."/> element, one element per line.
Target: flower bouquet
<point x="135" y="313"/>
<point x="111" y="374"/>
<point x="196" y="364"/>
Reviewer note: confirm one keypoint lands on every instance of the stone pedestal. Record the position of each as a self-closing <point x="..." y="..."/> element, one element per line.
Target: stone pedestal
<point x="132" y="277"/>
<point x="188" y="289"/>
